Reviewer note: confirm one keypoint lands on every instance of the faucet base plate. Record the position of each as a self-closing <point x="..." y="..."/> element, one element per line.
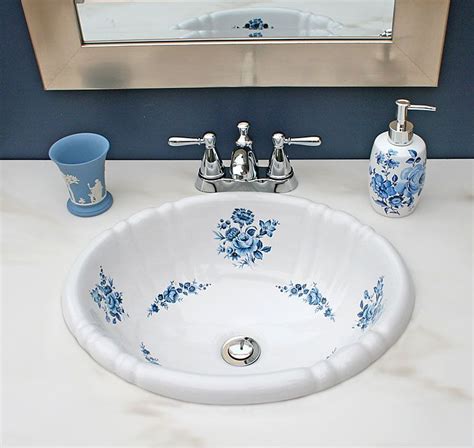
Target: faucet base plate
<point x="261" y="184"/>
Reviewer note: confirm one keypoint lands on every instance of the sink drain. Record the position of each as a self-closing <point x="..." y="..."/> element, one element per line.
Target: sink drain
<point x="240" y="351"/>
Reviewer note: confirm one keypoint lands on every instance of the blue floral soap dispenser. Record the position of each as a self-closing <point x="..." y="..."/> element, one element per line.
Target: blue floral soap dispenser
<point x="397" y="165"/>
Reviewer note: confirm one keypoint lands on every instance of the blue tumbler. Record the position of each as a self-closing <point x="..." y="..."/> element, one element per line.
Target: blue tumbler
<point x="81" y="160"/>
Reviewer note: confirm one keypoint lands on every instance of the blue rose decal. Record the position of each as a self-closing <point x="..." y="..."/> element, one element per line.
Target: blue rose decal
<point x="371" y="306"/>
<point x="382" y="187"/>
<point x="367" y="314"/>
<point x="255" y="24"/>
<point x="256" y="27"/>
<point x="113" y="303"/>
<point x="170" y="295"/>
<point x="108" y="299"/>
<point x="175" y="292"/>
<point x="244" y="244"/>
<point x="412" y="180"/>
<point x="241" y="241"/>
<point x="309" y="294"/>
<point x="146" y="353"/>
<point x="394" y="192"/>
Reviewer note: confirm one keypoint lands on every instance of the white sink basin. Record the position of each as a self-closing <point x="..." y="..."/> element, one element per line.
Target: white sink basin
<point x="259" y="22"/>
<point x="155" y="298"/>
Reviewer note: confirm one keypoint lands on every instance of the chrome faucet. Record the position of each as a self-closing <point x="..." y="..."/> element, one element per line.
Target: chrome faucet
<point x="243" y="163"/>
<point x="244" y="173"/>
<point x="211" y="164"/>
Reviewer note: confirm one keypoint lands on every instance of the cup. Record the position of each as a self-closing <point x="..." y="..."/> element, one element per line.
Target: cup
<point x="81" y="160"/>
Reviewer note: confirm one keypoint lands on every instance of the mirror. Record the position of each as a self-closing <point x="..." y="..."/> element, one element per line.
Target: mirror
<point x="131" y="44"/>
<point x="105" y="21"/>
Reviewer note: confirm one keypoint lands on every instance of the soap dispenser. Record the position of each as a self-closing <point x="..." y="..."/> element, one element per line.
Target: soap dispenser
<point x="397" y="165"/>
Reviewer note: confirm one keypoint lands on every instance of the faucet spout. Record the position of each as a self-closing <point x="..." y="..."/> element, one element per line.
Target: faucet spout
<point x="243" y="165"/>
<point x="244" y="173"/>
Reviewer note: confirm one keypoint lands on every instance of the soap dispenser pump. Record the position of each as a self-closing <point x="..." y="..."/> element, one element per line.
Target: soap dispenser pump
<point x="397" y="165"/>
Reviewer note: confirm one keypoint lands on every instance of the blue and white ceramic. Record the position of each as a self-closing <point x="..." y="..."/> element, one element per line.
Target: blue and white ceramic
<point x="81" y="160"/>
<point x="396" y="176"/>
<point x="259" y="22"/>
<point x="156" y="297"/>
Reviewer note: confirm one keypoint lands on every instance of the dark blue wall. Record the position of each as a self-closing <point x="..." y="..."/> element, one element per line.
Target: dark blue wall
<point x="138" y="122"/>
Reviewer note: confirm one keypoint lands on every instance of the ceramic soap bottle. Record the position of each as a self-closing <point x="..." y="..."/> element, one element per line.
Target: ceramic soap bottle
<point x="397" y="165"/>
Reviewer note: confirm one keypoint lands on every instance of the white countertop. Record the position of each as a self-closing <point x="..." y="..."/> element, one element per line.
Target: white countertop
<point x="418" y="393"/>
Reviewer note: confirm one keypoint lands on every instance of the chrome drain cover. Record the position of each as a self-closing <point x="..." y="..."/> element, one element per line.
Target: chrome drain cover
<point x="240" y="351"/>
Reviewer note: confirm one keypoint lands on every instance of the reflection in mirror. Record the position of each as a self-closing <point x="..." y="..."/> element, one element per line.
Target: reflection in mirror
<point x="103" y="21"/>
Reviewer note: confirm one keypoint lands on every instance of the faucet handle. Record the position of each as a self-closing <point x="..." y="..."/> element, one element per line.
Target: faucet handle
<point x="184" y="141"/>
<point x="279" y="140"/>
<point x="211" y="163"/>
<point x="208" y="139"/>
<point x="279" y="166"/>
<point x="305" y="141"/>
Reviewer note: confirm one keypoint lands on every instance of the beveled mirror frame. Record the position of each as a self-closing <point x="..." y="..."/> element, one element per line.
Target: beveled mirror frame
<point x="411" y="58"/>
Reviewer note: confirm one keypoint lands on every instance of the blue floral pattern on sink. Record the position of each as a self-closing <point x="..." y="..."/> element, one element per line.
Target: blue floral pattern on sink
<point x="240" y="240"/>
<point x="395" y="188"/>
<point x="309" y="294"/>
<point x="146" y="353"/>
<point x="371" y="306"/>
<point x="175" y="292"/>
<point x="257" y="25"/>
<point x="108" y="299"/>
